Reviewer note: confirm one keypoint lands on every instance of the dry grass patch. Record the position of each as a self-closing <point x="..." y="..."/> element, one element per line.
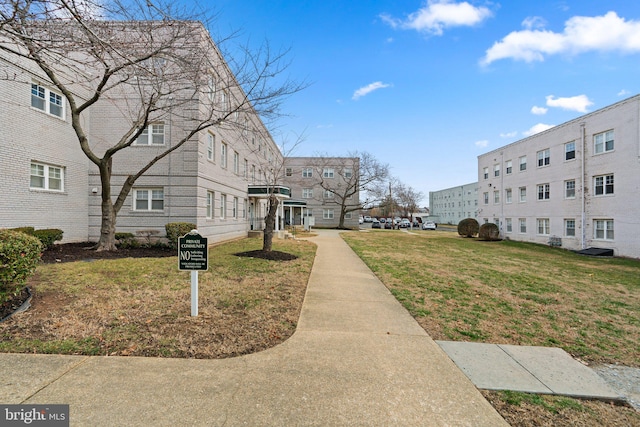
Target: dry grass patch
<point x="142" y="306"/>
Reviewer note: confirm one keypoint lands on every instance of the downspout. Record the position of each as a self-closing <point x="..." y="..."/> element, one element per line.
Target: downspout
<point x="582" y="190"/>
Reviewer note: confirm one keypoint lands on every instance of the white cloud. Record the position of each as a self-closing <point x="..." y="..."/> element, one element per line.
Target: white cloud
<point x="540" y="127"/>
<point x="623" y="92"/>
<point x="540" y="111"/>
<point x="368" y="89"/>
<point x="578" y="103"/>
<point x="509" y="134"/>
<point x="581" y="34"/>
<point x="533" y="22"/>
<point x="483" y="143"/>
<point x="437" y="15"/>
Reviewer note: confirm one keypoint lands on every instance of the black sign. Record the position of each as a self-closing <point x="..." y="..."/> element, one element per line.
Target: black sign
<point x="193" y="252"/>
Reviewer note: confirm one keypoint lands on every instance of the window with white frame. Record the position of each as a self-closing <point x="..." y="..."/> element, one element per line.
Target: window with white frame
<point x="235" y="208"/>
<point x="509" y="167"/>
<point x="508" y="195"/>
<point x="148" y="199"/>
<point x="523" y="225"/>
<point x="224" y="101"/>
<point x="288" y="171"/>
<point x="544" y="157"/>
<point x="253" y="173"/>
<point x="46" y="177"/>
<point x="244" y="208"/>
<point x="236" y="163"/>
<point x="245" y="171"/>
<point x="151" y="135"/>
<point x="496" y="170"/>
<point x="223" y="155"/>
<point x="327" y="214"/>
<point x="485" y="173"/>
<point x="328" y="172"/>
<point x="485" y="197"/>
<point x="570" y="150"/>
<point x="523" y="163"/>
<point x="211" y="146"/>
<point x="570" y="227"/>
<point x="47" y="100"/>
<point x="211" y="88"/>
<point x="603" y="184"/>
<point x="543" y="192"/>
<point x="307" y="172"/>
<point x="210" y="204"/>
<point x="603" y="229"/>
<point x="603" y="142"/>
<point x="348" y="173"/>
<point x="496" y="197"/>
<point x="523" y="194"/>
<point x="328" y="194"/>
<point x="570" y="189"/>
<point x="508" y="225"/>
<point x="223" y="206"/>
<point x="307" y="193"/>
<point x="347" y="215"/>
<point x="543" y="226"/>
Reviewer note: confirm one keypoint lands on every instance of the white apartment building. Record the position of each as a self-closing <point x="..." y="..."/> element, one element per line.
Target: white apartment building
<point x="218" y="179"/>
<point x="575" y="185"/>
<point x="452" y="205"/>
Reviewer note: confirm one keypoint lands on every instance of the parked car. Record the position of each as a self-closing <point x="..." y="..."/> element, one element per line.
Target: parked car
<point x="405" y="223"/>
<point x="388" y="225"/>
<point x="361" y="220"/>
<point x="382" y="220"/>
<point x="429" y="225"/>
<point x="417" y="222"/>
<point x="367" y="218"/>
<point x="376" y="224"/>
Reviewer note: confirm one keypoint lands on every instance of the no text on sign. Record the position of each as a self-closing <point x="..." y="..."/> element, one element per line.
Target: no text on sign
<point x="193" y="252"/>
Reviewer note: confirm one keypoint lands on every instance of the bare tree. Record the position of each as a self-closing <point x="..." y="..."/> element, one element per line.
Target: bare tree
<point x="148" y="62"/>
<point x="407" y="199"/>
<point x="355" y="183"/>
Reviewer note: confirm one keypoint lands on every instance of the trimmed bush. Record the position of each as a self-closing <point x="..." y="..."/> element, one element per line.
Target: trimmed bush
<point x="468" y="227"/>
<point x="126" y="240"/>
<point x="48" y="236"/>
<point x="176" y="230"/>
<point x="26" y="230"/>
<point x="489" y="231"/>
<point x="19" y="257"/>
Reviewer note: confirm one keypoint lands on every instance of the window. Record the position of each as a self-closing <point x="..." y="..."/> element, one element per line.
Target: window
<point x="150" y="199"/>
<point x="508" y="224"/>
<point x="543" y="226"/>
<point x="509" y="167"/>
<point x="507" y="195"/>
<point x="570" y="150"/>
<point x="307" y="172"/>
<point x="288" y="171"/>
<point x="544" y="157"/>
<point x="328" y="173"/>
<point x="603" y="142"/>
<point x="245" y="171"/>
<point x="496" y="197"/>
<point x="570" y="227"/>
<point x="224" y="101"/>
<point x="211" y="146"/>
<point x="523" y="163"/>
<point x="223" y="205"/>
<point x="235" y="208"/>
<point x="210" y="206"/>
<point x="328" y="194"/>
<point x="236" y="163"/>
<point x="244" y="208"/>
<point x="151" y="135"/>
<point x="211" y="88"/>
<point x="570" y="189"/>
<point x="496" y="170"/>
<point x="327" y="214"/>
<point x="348" y="173"/>
<point x="523" y="225"/>
<point x="603" y="229"/>
<point x="307" y="193"/>
<point x="603" y="184"/>
<point x="485" y="198"/>
<point x="543" y="192"/>
<point x="347" y="215"/>
<point x="223" y="155"/>
<point x="46" y="100"/>
<point x="46" y="177"/>
<point x="485" y="173"/>
<point x="523" y="194"/>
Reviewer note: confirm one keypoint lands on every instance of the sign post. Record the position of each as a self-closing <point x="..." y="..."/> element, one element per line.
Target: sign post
<point x="193" y="255"/>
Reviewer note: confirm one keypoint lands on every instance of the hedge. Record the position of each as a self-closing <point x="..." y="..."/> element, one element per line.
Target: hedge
<point x="19" y="257"/>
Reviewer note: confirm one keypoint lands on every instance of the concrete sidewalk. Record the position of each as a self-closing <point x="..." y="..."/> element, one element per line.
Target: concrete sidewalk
<point x="356" y="358"/>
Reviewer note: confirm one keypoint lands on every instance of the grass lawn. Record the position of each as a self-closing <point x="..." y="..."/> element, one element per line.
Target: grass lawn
<point x="511" y="292"/>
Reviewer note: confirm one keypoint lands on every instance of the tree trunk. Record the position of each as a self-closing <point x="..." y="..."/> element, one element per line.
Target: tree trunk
<point x="270" y="224"/>
<point x="107" y="240"/>
<point x="341" y="222"/>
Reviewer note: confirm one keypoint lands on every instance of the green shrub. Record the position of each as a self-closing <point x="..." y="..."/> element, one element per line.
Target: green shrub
<point x="48" y="236"/>
<point x="489" y="231"/>
<point x="176" y="230"/>
<point x="26" y="230"/>
<point x="468" y="227"/>
<point x="126" y="240"/>
<point x="19" y="256"/>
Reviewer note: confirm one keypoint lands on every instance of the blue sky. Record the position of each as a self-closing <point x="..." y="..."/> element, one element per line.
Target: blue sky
<point x="428" y="86"/>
